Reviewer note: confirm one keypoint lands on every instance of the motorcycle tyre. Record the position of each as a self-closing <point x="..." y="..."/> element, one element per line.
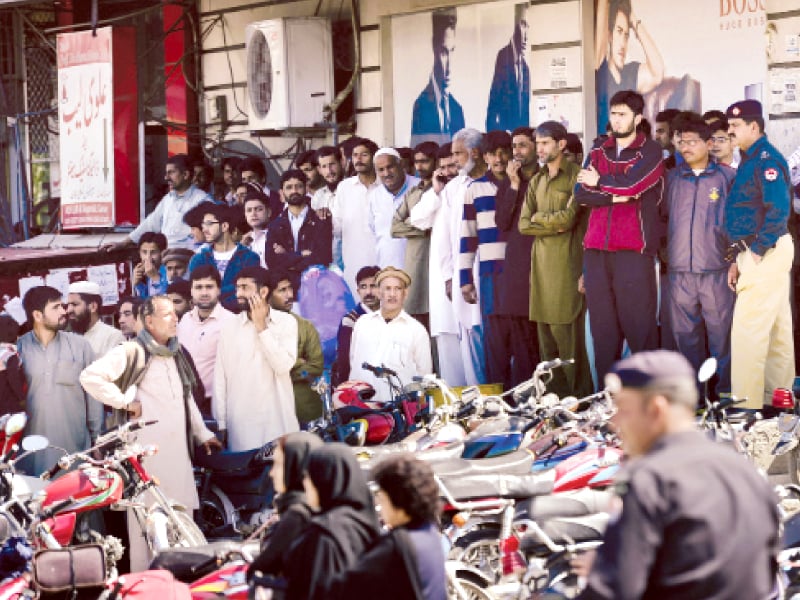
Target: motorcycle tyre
<point x="474" y="589"/>
<point x="220" y="508"/>
<point x="176" y="539"/>
<point x="477" y="540"/>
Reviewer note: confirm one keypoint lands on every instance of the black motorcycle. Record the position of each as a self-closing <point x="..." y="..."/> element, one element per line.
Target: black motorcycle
<point x="235" y="491"/>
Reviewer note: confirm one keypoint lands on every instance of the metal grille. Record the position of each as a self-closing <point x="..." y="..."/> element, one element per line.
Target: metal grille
<point x="41" y="76"/>
<point x="9" y="64"/>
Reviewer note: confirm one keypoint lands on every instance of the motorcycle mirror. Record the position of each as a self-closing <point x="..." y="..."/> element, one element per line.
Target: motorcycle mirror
<point x="707" y="369"/>
<point x="32" y="443"/>
<point x="15" y="423"/>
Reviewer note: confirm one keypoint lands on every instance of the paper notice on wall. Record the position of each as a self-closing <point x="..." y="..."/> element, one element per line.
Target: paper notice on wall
<point x="14" y="308"/>
<point x="783" y="91"/>
<point x="26" y="283"/>
<point x="558" y="72"/>
<point x="106" y="277"/>
<point x="793" y="45"/>
<point x="59" y="279"/>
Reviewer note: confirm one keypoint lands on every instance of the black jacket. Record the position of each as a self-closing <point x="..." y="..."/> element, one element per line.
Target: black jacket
<point x="316" y="235"/>
<point x="404" y="565"/>
<point x="512" y="293"/>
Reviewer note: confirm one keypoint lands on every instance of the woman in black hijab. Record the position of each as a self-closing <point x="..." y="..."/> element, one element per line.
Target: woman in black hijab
<point x="346" y="526"/>
<point x="408" y="562"/>
<point x="288" y="470"/>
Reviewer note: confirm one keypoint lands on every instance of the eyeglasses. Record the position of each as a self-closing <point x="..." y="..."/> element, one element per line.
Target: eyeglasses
<point x="691" y="143"/>
<point x="721" y="139"/>
<point x="209" y="223"/>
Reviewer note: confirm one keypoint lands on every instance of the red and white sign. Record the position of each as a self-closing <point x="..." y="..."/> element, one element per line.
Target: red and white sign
<point x="86" y="128"/>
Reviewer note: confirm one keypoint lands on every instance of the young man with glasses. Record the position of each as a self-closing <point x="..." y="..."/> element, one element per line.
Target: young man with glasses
<point x="700" y="303"/>
<point x="222" y="252"/>
<point x="723" y="149"/>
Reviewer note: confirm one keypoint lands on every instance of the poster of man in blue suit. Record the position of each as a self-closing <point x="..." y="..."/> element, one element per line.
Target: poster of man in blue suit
<point x="437" y="115"/>
<point x="509" y="96"/>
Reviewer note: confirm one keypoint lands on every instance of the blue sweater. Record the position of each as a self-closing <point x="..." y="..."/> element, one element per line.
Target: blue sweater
<point x="242" y="257"/>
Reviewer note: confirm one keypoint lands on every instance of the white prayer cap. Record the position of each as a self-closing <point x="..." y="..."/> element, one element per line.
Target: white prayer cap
<point x="389" y="151"/>
<point x="84" y="287"/>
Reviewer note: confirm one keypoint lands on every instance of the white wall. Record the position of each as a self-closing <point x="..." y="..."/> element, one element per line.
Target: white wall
<point x="559" y="33"/>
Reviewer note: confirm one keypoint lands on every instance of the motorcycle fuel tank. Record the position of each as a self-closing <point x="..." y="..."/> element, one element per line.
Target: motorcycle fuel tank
<point x="90" y="488"/>
<point x="488" y="446"/>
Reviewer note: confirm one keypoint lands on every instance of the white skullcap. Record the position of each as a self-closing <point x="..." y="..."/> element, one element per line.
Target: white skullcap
<point x="84" y="287"/>
<point x="389" y="151"/>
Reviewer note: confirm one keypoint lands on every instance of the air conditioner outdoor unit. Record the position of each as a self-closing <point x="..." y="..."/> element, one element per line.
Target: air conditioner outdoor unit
<point x="289" y="72"/>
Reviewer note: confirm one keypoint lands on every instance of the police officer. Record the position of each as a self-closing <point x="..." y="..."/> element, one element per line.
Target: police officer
<point x="756" y="219"/>
<point x="696" y="519"/>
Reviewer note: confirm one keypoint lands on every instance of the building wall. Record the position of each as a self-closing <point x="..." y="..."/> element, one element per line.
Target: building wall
<point x="561" y="60"/>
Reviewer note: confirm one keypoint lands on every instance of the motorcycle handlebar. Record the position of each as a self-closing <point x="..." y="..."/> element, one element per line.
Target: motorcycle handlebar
<point x="378" y="371"/>
<point x="47" y="475"/>
<point x="466" y="411"/>
<point x="726" y="403"/>
<point x="48" y="512"/>
<point x="552" y="364"/>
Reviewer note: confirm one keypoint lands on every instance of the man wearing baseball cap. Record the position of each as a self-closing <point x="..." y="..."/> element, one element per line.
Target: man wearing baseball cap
<point x="757" y="210"/>
<point x="84" y="302"/>
<point x="696" y="519"/>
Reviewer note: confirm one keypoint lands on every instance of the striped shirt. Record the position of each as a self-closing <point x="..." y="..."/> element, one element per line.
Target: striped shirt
<point x="479" y="233"/>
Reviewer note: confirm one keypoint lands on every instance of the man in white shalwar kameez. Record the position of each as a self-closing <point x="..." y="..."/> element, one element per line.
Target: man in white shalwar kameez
<point x="253" y="397"/>
<point x="428" y="214"/>
<point x="467" y="153"/>
<point x="163" y="394"/>
<point x="350" y="214"/>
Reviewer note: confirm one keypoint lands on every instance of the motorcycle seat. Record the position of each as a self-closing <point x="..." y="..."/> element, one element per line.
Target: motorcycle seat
<point x="566" y="530"/>
<point x="518" y="462"/>
<point x="348" y="413"/>
<point x="499" y="485"/>
<point x="182" y="562"/>
<point x="566" y="504"/>
<point x="369" y="456"/>
<point x="226" y="461"/>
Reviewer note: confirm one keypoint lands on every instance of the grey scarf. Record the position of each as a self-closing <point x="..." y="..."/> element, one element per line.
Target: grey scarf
<point x="171" y="350"/>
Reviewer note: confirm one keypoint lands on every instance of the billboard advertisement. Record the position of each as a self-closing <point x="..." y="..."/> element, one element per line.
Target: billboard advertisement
<point x="684" y="54"/>
<point x="456" y="67"/>
<point x="86" y="128"/>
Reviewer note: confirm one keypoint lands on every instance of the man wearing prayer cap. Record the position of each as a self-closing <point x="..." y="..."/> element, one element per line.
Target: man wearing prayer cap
<point x="390" y="337"/>
<point x="692" y="519"/>
<point x="84" y="302"/>
<point x="383" y="204"/>
<point x="176" y="262"/>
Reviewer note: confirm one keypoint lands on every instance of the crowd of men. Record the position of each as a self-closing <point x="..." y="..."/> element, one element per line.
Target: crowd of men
<point x="475" y="259"/>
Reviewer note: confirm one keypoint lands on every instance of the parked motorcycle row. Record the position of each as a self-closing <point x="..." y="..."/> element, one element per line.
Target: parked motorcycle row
<point x="525" y="479"/>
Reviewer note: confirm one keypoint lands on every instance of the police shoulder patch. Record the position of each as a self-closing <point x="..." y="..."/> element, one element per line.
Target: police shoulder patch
<point x="770" y="174"/>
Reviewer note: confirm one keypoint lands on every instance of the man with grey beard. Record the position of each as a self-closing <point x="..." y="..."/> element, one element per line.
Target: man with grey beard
<point x="454" y="322"/>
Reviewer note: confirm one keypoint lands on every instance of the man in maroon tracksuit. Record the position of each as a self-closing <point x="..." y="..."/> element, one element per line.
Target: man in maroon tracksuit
<point x="622" y="182"/>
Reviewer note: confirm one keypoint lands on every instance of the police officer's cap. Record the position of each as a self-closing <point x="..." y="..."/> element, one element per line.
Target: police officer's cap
<point x="642" y="369"/>
<point x="744" y="109"/>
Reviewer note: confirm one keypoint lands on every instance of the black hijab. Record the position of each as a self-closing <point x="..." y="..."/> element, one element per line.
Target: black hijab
<point x="346" y="503"/>
<point x="297" y="448"/>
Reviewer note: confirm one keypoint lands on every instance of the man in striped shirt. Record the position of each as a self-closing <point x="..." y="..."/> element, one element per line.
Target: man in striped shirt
<point x="480" y="238"/>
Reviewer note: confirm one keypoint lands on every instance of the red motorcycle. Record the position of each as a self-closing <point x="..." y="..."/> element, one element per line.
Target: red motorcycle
<point x="108" y="475"/>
